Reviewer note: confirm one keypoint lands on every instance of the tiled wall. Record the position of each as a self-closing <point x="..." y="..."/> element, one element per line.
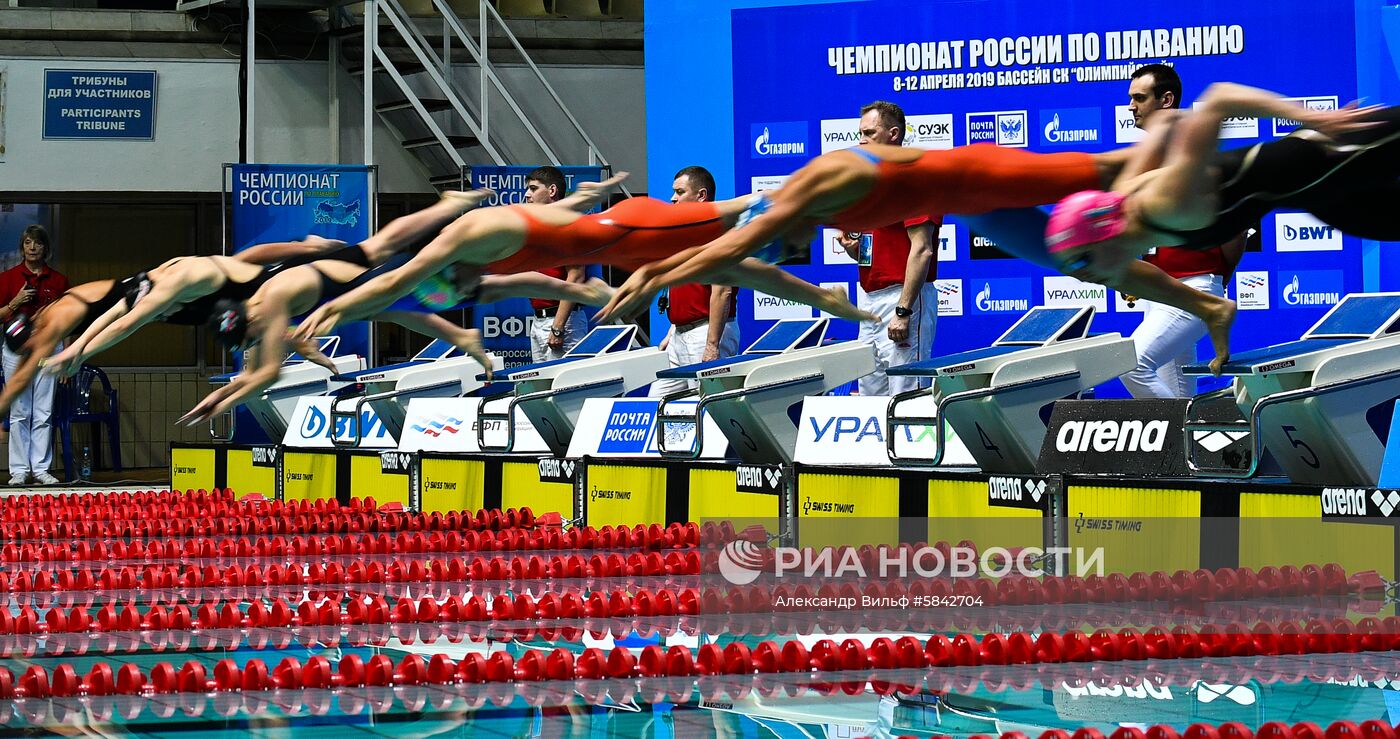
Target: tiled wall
<point x="150" y="402"/>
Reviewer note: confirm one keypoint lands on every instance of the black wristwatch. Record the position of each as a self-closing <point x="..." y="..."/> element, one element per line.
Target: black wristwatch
<point x="902" y="312"/>
<point x="556" y="331"/>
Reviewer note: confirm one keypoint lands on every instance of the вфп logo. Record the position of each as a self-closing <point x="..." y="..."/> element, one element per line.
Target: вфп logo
<point x="1004" y="128"/>
<point x="438" y="426"/>
<point x="1252" y="290"/>
<point x="740" y="562"/>
<point x="950" y="298"/>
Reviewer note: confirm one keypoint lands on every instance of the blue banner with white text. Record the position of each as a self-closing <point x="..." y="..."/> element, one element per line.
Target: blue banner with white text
<point x="505" y="325"/>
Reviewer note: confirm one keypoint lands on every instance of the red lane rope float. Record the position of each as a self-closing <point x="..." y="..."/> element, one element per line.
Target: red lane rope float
<point x="531" y="567"/>
<point x="653" y="537"/>
<point x="824" y="656"/>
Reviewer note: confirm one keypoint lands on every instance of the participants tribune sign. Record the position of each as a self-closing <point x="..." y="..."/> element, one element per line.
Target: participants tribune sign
<point x="99" y="104"/>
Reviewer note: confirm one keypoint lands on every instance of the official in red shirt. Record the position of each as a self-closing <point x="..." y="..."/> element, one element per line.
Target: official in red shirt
<point x="703" y="317"/>
<point x="897" y="266"/>
<point x="558" y="326"/>
<point x="1166" y="339"/>
<point x="24" y="290"/>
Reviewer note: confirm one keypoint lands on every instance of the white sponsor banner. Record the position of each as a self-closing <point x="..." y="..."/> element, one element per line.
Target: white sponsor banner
<point x="948" y="242"/>
<point x="1237" y="127"/>
<point x="310" y="426"/>
<point x="1285" y="126"/>
<point x="769" y="308"/>
<point x="1125" y="130"/>
<point x="449" y="425"/>
<point x="950" y="297"/>
<point x="1063" y="291"/>
<point x="840" y="133"/>
<point x="626" y="427"/>
<point x="1303" y="232"/>
<point x="766" y="182"/>
<point x="932" y="131"/>
<point x="1252" y="290"/>
<point x="851" y="430"/>
<point x="1122" y="306"/>
<point x="832" y="251"/>
<point x="842" y="286"/>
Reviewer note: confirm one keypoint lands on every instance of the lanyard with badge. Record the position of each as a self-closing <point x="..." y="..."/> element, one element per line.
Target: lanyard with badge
<point x="863" y="253"/>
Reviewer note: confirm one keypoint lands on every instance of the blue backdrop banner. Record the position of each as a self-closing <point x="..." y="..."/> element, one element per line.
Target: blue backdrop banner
<point x="1010" y="73"/>
<point x="505" y="325"/>
<point x="288" y="202"/>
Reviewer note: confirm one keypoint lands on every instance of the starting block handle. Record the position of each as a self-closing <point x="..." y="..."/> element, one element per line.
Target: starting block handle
<point x="663" y="419"/>
<point x="353" y="423"/>
<point x="232" y="425"/>
<point x="1191" y="426"/>
<point x="893" y="421"/>
<point x="483" y="416"/>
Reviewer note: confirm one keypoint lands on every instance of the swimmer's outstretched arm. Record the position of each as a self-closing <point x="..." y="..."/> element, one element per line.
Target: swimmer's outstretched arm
<point x="767" y="278"/>
<point x="67" y="362"/>
<point x="274" y="252"/>
<point x="706" y="263"/>
<point x="268" y="354"/>
<point x="313" y="354"/>
<point x="590" y="194"/>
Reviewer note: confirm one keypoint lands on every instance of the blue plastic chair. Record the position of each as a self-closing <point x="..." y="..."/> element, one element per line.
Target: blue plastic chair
<point x="74" y="405"/>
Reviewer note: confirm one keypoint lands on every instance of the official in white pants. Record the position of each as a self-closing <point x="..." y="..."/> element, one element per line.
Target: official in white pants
<point x="1165" y="341"/>
<point x="575" y="327"/>
<point x="890" y="354"/>
<point x="686" y="345"/>
<point x="31" y="427"/>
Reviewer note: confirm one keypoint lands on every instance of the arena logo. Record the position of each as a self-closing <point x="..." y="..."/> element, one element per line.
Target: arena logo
<point x="1068" y="126"/>
<point x="741" y="562"/>
<point x="1348" y="502"/>
<point x="1112" y="436"/>
<point x="1143" y="690"/>
<point x="1307" y="289"/>
<point x="1303" y="232"/>
<point x="1003" y="128"/>
<point x="1004" y="296"/>
<point x="773" y="140"/>
<point x="1285" y="126"/>
<point x="1252" y="290"/>
<point x="1016" y="492"/>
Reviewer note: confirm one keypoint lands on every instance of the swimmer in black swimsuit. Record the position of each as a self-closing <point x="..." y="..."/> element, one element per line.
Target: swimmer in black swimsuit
<point x="261" y="324"/>
<point x="1179" y="191"/>
<point x="184" y="289"/>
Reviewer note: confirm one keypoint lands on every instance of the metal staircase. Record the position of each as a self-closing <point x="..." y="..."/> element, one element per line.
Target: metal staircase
<point x="432" y="83"/>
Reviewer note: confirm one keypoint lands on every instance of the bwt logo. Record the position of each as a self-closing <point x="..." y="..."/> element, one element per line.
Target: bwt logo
<point x="315" y="425"/>
<point x="1308" y="289"/>
<point x="1003" y="296"/>
<point x="1069" y="126"/>
<point x="779" y="139"/>
<point x="1302" y="232"/>
<point x="438" y="426"/>
<point x="1007" y="128"/>
<point x="843" y="428"/>
<point x="950" y="297"/>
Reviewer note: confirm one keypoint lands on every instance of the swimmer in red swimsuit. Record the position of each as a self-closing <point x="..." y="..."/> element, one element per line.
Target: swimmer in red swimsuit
<point x="870" y="186"/>
<point x="520" y="238"/>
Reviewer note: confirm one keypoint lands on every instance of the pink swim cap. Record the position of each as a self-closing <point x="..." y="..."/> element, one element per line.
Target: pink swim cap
<point x="1086" y="217"/>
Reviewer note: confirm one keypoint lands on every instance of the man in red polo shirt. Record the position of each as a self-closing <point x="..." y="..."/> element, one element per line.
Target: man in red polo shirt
<point x="703" y="317"/>
<point x="558" y="326"/>
<point x="1166" y="339"/>
<point x="897" y="265"/>
<point x="24" y="290"/>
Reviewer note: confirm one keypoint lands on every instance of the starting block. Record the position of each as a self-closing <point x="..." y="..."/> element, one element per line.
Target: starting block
<point x="751" y="396"/>
<point x="1328" y="397"/>
<point x="298" y="378"/>
<point x="607" y="363"/>
<point x="1000" y="395"/>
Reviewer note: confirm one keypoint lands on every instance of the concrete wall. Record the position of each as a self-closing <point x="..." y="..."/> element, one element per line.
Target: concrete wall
<point x="197" y="125"/>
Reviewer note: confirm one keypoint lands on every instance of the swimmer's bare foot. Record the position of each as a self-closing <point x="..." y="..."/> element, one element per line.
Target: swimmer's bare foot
<point x="840" y="306"/>
<point x="467" y="199"/>
<point x="1219" y="318"/>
